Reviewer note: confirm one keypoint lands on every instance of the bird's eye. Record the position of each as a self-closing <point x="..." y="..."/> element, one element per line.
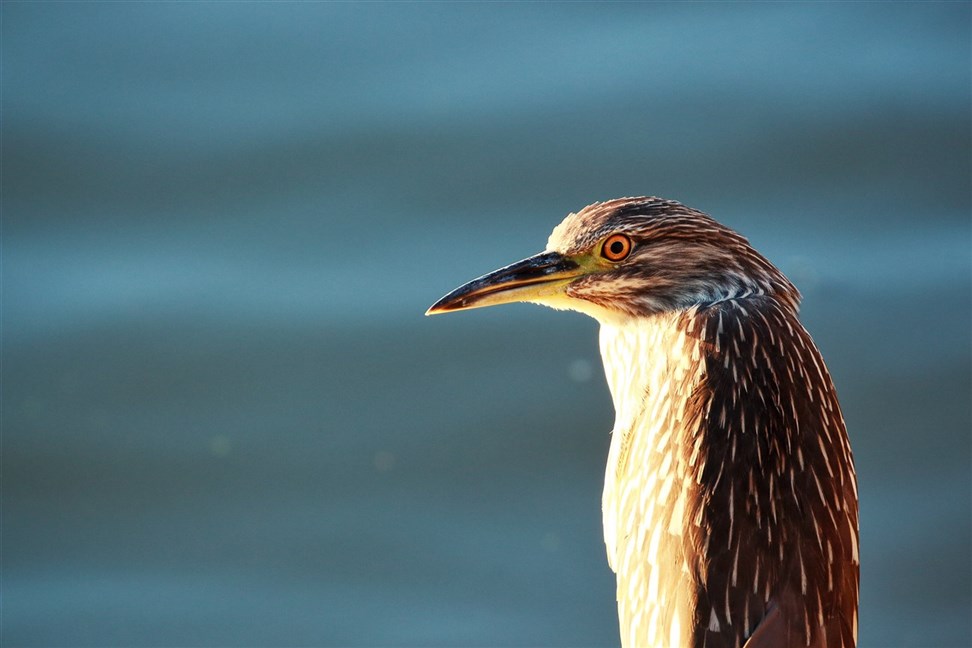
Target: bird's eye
<point x="616" y="248"/>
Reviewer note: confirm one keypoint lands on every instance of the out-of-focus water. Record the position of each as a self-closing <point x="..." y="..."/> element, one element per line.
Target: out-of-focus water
<point x="225" y="420"/>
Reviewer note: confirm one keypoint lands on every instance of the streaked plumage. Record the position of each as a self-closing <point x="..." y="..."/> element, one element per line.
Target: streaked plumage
<point x="730" y="500"/>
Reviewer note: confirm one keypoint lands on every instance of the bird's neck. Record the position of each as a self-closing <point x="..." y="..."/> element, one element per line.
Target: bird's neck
<point x="651" y="365"/>
<point x="642" y="357"/>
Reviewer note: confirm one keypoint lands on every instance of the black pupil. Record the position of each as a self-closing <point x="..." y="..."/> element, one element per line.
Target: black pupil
<point x="617" y="248"/>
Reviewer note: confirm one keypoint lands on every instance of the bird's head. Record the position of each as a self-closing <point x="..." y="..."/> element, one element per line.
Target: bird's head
<point x="630" y="257"/>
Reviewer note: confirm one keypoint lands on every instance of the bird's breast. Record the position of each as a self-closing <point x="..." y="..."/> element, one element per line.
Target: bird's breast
<point x="653" y="368"/>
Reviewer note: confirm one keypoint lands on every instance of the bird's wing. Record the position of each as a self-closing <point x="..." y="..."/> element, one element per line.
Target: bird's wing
<point x="778" y="494"/>
<point x="773" y="632"/>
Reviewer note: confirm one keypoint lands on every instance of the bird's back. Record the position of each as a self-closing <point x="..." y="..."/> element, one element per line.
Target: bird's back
<point x="730" y="503"/>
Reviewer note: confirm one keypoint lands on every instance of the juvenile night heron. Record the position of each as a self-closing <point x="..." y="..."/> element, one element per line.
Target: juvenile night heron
<point x="730" y="499"/>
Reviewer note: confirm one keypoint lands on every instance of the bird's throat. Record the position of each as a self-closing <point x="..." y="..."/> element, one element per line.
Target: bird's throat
<point x="652" y="365"/>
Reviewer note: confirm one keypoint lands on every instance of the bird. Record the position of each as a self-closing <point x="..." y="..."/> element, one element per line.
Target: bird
<point x="730" y="503"/>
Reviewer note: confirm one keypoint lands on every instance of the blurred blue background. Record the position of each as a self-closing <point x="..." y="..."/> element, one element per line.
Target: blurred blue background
<point x="227" y="422"/>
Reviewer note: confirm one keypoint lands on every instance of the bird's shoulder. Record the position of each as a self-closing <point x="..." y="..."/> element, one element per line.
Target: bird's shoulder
<point x="777" y="492"/>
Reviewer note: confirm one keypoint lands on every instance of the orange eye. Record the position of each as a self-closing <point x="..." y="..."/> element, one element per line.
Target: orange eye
<point x="617" y="247"/>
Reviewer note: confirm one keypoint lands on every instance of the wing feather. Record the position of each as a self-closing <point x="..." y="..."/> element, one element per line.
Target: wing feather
<point x="779" y="485"/>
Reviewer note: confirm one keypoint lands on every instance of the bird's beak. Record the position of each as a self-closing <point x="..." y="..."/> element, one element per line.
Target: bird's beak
<point x="534" y="279"/>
